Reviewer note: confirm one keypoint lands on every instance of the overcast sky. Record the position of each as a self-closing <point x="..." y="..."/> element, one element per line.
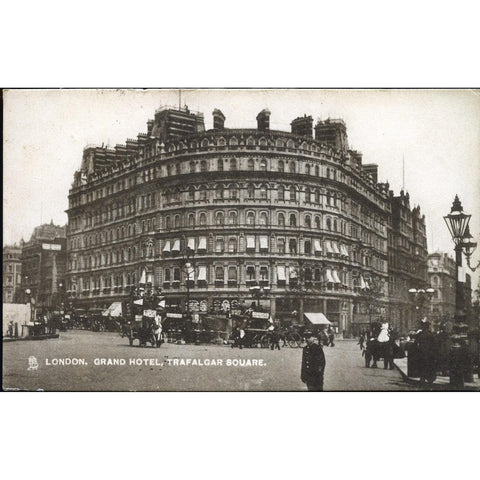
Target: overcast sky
<point x="436" y="131"/>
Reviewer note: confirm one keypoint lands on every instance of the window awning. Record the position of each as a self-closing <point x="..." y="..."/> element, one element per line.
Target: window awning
<point x="335" y="248"/>
<point x="328" y="246"/>
<point x="251" y="242"/>
<point x="362" y="283"/>
<point x="317" y="246"/>
<point x="281" y="273"/>
<point x="329" y="276"/>
<point x="263" y="242"/>
<point x="202" y="273"/>
<point x="202" y="243"/>
<point x="335" y="277"/>
<point x="166" y="248"/>
<point x="176" y="246"/>
<point x="114" y="310"/>
<point x="191" y="244"/>
<point x="343" y="250"/>
<point x="317" y="318"/>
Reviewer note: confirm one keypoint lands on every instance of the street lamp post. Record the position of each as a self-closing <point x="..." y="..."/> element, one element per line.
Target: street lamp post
<point x="188" y="267"/>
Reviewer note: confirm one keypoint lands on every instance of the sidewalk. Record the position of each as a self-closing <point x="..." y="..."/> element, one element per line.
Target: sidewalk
<point x="440" y="384"/>
<point x="35" y="337"/>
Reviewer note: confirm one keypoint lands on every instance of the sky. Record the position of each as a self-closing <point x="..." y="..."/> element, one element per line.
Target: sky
<point x="436" y="132"/>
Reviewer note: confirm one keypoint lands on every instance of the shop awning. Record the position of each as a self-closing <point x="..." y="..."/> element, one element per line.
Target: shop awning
<point x="251" y="242"/>
<point x="336" y="251"/>
<point x="166" y="248"/>
<point x="191" y="244"/>
<point x="176" y="246"/>
<point x="317" y="246"/>
<point x="329" y="276"/>
<point x="263" y="242"/>
<point x="281" y="273"/>
<point x="114" y="310"/>
<point x="202" y="243"/>
<point x="335" y="277"/>
<point x="317" y="318"/>
<point x="202" y="273"/>
<point x="344" y="251"/>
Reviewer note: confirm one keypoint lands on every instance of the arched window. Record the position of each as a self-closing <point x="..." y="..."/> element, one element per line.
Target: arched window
<point x="219" y="192"/>
<point x="219" y="218"/>
<point x="263" y="192"/>
<point x="281" y="192"/>
<point x="308" y="221"/>
<point x="251" y="218"/>
<point x="292" y="167"/>
<point x="263" y="220"/>
<point x="251" y="164"/>
<point x="435" y="280"/>
<point x="250" y="191"/>
<point x="203" y="166"/>
<point x="317" y="170"/>
<point x="281" y="220"/>
<point x="281" y="166"/>
<point x="232" y="218"/>
<point x="178" y="169"/>
<point x="263" y="165"/>
<point x="219" y="245"/>
<point x="293" y="220"/>
<point x="318" y="223"/>
<point x="307" y="195"/>
<point x="317" y="196"/>
<point x="232" y="245"/>
<point x="167" y="221"/>
<point x="192" y="167"/>
<point x="203" y="193"/>
<point x="335" y="225"/>
<point x="292" y="245"/>
<point x="219" y="274"/>
<point x="290" y="144"/>
<point x="281" y="245"/>
<point x="233" y="192"/>
<point x="307" y="169"/>
<point x="191" y="192"/>
<point x="191" y="219"/>
<point x="203" y="219"/>
<point x="169" y="170"/>
<point x="220" y="164"/>
<point x="329" y="224"/>
<point x="293" y="193"/>
<point x="176" y="221"/>
<point x="233" y="164"/>
<point x="204" y="143"/>
<point x="328" y="172"/>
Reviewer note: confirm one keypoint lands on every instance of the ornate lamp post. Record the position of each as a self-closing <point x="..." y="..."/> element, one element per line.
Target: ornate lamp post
<point x="188" y="267"/>
<point x="457" y="223"/>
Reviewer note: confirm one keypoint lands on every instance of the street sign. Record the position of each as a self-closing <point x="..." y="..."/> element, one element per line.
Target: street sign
<point x="51" y="246"/>
<point x="264" y="315"/>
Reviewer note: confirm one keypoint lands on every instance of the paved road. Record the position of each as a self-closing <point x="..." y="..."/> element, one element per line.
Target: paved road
<point x="167" y="368"/>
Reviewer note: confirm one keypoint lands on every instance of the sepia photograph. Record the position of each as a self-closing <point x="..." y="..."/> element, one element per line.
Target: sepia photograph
<point x="241" y="240"/>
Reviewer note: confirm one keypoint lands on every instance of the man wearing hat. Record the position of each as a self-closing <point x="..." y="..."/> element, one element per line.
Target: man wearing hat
<point x="313" y="364"/>
<point x="426" y="347"/>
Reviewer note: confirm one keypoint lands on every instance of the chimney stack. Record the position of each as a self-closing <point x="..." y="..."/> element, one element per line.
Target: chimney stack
<point x="263" y="120"/>
<point x="218" y="119"/>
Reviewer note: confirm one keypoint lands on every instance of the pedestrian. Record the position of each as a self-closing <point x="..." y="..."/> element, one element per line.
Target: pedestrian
<point x="158" y="329"/>
<point x="323" y="337"/>
<point x="313" y="364"/>
<point x="361" y="340"/>
<point x="10" y="329"/>
<point x="427" y="353"/>
<point x="331" y="337"/>
<point x="274" y="338"/>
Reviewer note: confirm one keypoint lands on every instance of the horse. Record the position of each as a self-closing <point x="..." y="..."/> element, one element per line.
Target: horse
<point x="380" y="344"/>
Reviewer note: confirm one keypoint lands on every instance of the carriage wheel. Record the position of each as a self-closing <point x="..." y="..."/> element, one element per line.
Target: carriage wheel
<point x="301" y="342"/>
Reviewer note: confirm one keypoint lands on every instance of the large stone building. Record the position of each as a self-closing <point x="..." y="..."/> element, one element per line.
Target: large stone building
<point x="441" y="276"/>
<point x="211" y="214"/>
<point x="43" y="266"/>
<point x="12" y="272"/>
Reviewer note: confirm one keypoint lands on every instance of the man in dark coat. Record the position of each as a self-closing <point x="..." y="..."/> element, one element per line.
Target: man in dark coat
<point x="427" y="357"/>
<point x="313" y="364"/>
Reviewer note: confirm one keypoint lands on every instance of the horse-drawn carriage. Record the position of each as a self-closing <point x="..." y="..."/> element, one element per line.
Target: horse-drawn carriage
<point x="144" y="331"/>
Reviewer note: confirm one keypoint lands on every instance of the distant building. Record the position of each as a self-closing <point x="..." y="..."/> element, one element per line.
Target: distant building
<point x="43" y="266"/>
<point x="441" y="277"/>
<point x="12" y="272"/>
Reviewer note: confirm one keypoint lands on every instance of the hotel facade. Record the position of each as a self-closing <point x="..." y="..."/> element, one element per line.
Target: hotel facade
<point x="208" y="214"/>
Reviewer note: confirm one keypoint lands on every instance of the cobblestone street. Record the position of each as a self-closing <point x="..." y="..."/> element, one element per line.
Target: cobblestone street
<point x="105" y="361"/>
